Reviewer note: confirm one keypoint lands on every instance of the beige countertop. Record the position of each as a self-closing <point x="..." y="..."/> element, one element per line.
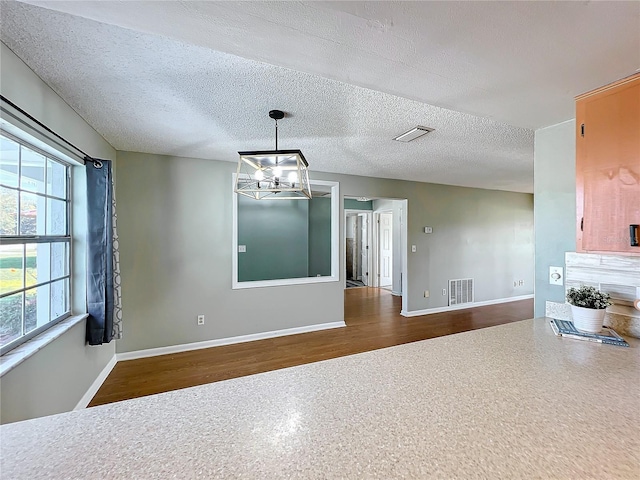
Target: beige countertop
<point x="512" y="401"/>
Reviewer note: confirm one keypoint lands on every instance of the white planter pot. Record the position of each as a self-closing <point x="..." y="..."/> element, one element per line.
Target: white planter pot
<point x="588" y="319"/>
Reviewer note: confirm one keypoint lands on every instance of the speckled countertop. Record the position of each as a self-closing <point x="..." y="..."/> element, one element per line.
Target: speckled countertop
<point x="512" y="401"/>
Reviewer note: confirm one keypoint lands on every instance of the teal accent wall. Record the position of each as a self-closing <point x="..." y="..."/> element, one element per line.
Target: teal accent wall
<point x="276" y="235"/>
<point x="554" y="207"/>
<point x="320" y="237"/>
<point x="284" y="238"/>
<point x="352" y="204"/>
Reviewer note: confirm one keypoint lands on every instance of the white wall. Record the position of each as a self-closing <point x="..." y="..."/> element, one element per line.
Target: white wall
<point x="175" y="237"/>
<point x="55" y="378"/>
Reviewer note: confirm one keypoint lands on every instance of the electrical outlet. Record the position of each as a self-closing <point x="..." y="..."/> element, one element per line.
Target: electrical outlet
<point x="520" y="283"/>
<point x="200" y="319"/>
<point x="414" y="249"/>
<point x="444" y="292"/>
<point x="426" y="294"/>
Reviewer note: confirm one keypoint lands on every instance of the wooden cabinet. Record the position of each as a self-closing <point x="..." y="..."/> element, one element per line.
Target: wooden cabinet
<point x="608" y="167"/>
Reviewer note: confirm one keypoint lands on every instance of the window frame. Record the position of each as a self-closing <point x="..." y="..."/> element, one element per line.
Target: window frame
<point x="38" y="239"/>
<point x="334" y="188"/>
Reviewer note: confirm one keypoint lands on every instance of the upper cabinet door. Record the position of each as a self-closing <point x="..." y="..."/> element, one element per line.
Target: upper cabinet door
<point x="608" y="167"/>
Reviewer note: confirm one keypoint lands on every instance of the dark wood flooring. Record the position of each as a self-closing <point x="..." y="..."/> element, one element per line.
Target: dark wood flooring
<point x="373" y="321"/>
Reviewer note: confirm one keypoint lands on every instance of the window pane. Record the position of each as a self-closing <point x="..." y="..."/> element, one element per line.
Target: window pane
<point x="32" y="214"/>
<point x="36" y="307"/>
<point x="8" y="211"/>
<point x="11" y="272"/>
<point x="32" y="171"/>
<point x="10" y="318"/>
<point x="56" y="217"/>
<point x="31" y="308"/>
<point x="34" y="201"/>
<point x="8" y="162"/>
<point x="59" y="298"/>
<point x="59" y="260"/>
<point x="56" y="179"/>
<point x="38" y="263"/>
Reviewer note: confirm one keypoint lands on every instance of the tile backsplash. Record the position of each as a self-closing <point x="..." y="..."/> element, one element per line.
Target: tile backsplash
<point x="595" y="269"/>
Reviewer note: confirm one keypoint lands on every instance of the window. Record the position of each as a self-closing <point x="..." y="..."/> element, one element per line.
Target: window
<point x="35" y="241"/>
<point x="314" y="225"/>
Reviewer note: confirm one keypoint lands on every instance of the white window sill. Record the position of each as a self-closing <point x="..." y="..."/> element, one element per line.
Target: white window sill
<point x="15" y="357"/>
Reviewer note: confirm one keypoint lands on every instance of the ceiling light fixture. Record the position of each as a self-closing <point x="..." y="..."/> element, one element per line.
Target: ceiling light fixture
<point x="413" y="134"/>
<point x="273" y="174"/>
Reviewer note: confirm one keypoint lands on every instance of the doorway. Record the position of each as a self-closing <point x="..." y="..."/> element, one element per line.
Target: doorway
<point x="357" y="248"/>
<point x="375" y="236"/>
<point x="385" y="250"/>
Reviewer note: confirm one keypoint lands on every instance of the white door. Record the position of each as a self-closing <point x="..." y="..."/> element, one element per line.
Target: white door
<point x="386" y="249"/>
<point x="364" y="235"/>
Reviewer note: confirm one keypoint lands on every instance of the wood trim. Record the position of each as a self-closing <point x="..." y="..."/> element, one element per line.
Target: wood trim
<point x="580" y="155"/>
<point x="629" y="79"/>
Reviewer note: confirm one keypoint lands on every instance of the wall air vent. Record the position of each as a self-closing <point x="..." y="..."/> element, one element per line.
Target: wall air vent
<point x="413" y="134"/>
<point x="460" y="291"/>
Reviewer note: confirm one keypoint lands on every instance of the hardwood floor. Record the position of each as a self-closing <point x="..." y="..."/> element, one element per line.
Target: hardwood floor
<point x="373" y="321"/>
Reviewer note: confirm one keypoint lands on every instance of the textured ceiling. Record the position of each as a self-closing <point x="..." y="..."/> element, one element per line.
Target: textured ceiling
<point x="152" y="76"/>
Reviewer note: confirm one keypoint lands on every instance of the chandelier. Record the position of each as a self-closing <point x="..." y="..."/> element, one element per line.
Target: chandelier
<point x="273" y="174"/>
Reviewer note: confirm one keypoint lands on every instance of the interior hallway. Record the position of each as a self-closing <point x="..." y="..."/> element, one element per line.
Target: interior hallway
<point x="373" y="321"/>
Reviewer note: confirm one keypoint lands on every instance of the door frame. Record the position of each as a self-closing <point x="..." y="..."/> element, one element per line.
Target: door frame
<point x="369" y="214"/>
<point x="376" y="245"/>
<point x="404" y="241"/>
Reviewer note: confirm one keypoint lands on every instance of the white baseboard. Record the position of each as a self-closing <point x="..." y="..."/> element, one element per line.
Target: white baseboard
<point x="396" y="294"/>
<point x="153" y="352"/>
<point x="427" y="311"/>
<point x="97" y="383"/>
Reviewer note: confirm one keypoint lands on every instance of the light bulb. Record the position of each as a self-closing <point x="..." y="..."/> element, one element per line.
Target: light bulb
<point x="293" y="177"/>
<point x="259" y="175"/>
<point x="277" y="171"/>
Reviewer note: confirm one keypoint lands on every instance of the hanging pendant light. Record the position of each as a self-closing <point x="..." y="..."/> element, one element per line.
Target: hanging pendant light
<point x="273" y="174"/>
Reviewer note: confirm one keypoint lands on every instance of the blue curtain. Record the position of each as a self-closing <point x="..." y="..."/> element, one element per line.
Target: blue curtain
<point x="100" y="288"/>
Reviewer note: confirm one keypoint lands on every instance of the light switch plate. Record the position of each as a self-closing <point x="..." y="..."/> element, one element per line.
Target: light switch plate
<point x="428" y="229"/>
<point x="242" y="248"/>
<point x="414" y="249"/>
<point x="556" y="276"/>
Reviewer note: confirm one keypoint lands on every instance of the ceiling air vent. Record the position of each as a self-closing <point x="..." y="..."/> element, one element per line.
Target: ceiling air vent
<point x="460" y="291"/>
<point x="413" y="134"/>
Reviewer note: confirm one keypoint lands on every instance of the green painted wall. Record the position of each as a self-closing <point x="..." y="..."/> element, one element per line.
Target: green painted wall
<point x="276" y="235"/>
<point x="554" y="206"/>
<point x="284" y="239"/>
<point x="320" y="237"/>
<point x="352" y="204"/>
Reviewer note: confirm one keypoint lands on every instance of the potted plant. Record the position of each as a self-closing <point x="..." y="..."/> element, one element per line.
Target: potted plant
<point x="588" y="306"/>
